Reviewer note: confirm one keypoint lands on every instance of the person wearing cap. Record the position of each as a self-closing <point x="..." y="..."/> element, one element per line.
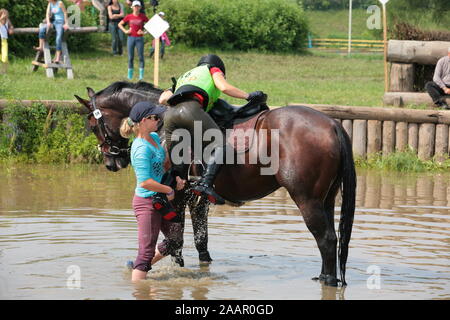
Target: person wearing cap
<point x="147" y="159"/>
<point x="195" y="93"/>
<point x="163" y="40"/>
<point x="136" y="21"/>
<point x="440" y="86"/>
<point x="130" y="2"/>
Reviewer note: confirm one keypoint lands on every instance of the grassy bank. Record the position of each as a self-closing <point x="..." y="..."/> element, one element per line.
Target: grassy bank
<point x="334" y="24"/>
<point x="315" y="77"/>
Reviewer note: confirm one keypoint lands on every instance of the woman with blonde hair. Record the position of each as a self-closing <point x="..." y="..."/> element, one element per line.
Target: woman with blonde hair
<point x="147" y="158"/>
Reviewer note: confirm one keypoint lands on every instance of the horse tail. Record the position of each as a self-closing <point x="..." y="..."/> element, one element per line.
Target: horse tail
<point x="348" y="174"/>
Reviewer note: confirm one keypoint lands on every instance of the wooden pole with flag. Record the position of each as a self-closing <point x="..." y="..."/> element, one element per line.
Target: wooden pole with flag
<point x="350" y="27"/>
<point x="156" y="67"/>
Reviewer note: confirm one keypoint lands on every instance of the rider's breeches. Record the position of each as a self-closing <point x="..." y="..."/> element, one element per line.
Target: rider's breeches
<point x="187" y="115"/>
<point x="150" y="223"/>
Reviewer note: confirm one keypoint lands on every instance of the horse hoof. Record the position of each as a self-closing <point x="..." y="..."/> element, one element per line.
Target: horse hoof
<point x="322" y="277"/>
<point x="331" y="281"/>
<point x="204" y="257"/>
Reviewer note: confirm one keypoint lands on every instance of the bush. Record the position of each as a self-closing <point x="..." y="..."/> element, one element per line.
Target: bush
<point x="30" y="13"/>
<point x="269" y="25"/>
<point x="36" y="134"/>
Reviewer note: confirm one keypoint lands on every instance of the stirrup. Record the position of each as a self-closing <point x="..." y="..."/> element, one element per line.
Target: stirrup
<point x="202" y="189"/>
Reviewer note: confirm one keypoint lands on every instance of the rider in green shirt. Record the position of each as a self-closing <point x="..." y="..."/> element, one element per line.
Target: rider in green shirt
<point x="195" y="94"/>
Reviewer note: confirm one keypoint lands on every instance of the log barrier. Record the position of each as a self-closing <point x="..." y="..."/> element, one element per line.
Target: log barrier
<point x="372" y="130"/>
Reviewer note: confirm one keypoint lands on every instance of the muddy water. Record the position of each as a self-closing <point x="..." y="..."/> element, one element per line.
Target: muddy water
<point x="66" y="233"/>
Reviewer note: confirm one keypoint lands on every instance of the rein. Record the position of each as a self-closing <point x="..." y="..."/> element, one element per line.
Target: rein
<point x="113" y="149"/>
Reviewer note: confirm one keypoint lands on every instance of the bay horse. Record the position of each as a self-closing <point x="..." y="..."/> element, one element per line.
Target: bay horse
<point x="315" y="161"/>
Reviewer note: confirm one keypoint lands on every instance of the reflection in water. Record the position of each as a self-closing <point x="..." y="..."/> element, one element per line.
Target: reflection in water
<point x="52" y="218"/>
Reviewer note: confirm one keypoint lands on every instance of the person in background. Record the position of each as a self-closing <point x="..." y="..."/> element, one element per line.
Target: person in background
<point x="136" y="21"/>
<point x="115" y="14"/>
<point x="147" y="158"/>
<point x="130" y="2"/>
<point x="57" y="16"/>
<point x="6" y="29"/>
<point x="440" y="86"/>
<point x="163" y="41"/>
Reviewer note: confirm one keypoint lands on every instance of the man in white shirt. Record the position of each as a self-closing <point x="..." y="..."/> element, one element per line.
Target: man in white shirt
<point x="440" y="86"/>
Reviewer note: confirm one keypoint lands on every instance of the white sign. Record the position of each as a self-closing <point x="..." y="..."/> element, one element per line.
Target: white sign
<point x="384" y="1"/>
<point x="156" y="26"/>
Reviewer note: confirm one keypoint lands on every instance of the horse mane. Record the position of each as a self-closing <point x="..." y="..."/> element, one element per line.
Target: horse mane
<point x="120" y="85"/>
<point x="122" y="95"/>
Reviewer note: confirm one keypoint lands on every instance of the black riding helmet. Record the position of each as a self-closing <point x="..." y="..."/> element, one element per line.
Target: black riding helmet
<point x="213" y="61"/>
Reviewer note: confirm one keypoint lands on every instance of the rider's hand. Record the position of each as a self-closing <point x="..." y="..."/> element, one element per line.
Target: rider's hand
<point x="180" y="183"/>
<point x="255" y="95"/>
<point x="447" y="90"/>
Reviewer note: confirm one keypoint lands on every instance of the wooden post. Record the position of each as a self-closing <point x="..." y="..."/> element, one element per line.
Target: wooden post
<point x="348" y="126"/>
<point x="426" y="141"/>
<point x="373" y="136"/>
<point x="388" y="137"/>
<point x="350" y="27"/>
<point x="156" y="68"/>
<point x="386" y="85"/>
<point x="401" y="136"/>
<point x="401" y="77"/>
<point x="413" y="136"/>
<point x="441" y="147"/>
<point x="359" y="142"/>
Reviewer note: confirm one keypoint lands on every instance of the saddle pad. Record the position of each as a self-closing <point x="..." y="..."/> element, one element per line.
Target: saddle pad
<point x="242" y="135"/>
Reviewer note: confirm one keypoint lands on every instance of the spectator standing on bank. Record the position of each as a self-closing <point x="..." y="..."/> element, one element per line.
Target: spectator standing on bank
<point x="440" y="86"/>
<point x="130" y="2"/>
<point x="163" y="41"/>
<point x="136" y="21"/>
<point x="6" y="28"/>
<point x="116" y="14"/>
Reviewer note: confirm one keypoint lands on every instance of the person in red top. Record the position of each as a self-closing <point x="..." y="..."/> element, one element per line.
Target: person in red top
<point x="136" y="21"/>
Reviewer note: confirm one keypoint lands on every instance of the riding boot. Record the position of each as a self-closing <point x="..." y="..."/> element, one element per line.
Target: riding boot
<point x="130" y="74"/>
<point x="205" y="184"/>
<point x="141" y="73"/>
<point x="160" y="201"/>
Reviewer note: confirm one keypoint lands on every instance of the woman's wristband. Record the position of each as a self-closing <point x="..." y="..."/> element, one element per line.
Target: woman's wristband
<point x="170" y="193"/>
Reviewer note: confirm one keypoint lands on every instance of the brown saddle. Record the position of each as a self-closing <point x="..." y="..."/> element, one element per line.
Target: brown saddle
<point x="237" y="122"/>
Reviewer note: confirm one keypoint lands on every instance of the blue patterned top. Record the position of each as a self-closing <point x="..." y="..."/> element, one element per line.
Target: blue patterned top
<point x="147" y="162"/>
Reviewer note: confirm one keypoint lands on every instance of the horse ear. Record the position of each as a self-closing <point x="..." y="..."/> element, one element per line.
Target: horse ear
<point x="91" y="92"/>
<point x="83" y="102"/>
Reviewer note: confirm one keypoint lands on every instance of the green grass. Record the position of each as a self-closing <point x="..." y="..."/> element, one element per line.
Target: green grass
<point x="317" y="77"/>
<point x="334" y="24"/>
<point x="406" y="161"/>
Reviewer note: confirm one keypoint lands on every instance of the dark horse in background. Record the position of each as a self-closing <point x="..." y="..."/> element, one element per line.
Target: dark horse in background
<point x="315" y="161"/>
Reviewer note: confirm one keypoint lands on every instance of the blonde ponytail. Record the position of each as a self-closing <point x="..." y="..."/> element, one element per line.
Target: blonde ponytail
<point x="128" y="127"/>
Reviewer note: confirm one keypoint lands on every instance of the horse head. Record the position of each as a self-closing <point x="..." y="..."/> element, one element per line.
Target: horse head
<point x="106" y="109"/>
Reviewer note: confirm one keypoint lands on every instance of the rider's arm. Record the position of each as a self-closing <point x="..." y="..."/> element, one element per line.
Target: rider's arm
<point x="165" y="96"/>
<point x="228" y="89"/>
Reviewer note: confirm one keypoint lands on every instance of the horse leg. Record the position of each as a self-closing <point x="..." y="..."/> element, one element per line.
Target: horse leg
<point x="316" y="215"/>
<point x="199" y="216"/>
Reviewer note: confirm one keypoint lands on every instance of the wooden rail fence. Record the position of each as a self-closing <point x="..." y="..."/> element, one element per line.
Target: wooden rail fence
<point x="372" y="130"/>
<point x="342" y="44"/>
